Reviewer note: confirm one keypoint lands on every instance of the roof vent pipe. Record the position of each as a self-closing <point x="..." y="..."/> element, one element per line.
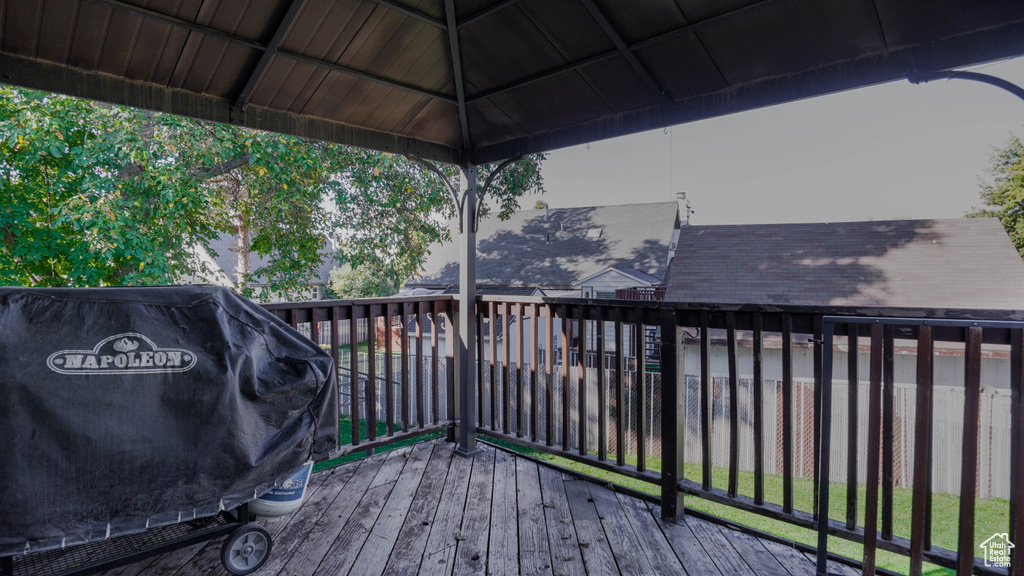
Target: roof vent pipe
<point x="545" y="211"/>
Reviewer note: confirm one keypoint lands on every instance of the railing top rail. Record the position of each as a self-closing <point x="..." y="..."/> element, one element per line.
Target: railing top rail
<point x="356" y="302"/>
<point x="950" y="323"/>
<point x="917" y="313"/>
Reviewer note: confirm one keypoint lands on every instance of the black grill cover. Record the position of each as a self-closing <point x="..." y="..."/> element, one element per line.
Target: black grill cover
<point x="128" y="408"/>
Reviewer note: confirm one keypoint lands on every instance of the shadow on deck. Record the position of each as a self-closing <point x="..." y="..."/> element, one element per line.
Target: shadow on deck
<point x="421" y="510"/>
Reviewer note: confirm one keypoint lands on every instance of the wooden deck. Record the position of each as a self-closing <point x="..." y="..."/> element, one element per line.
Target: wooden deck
<point x="421" y="510"/>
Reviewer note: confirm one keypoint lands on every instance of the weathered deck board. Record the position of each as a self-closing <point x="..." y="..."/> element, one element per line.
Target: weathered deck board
<point x="424" y="510"/>
<point x="835" y="568"/>
<point x="471" y="554"/>
<point x="687" y="546"/>
<point x="791" y="559"/>
<point x="623" y="541"/>
<point x="439" y="555"/>
<point x="384" y="534"/>
<point x="534" y="551"/>
<point x="323" y="533"/>
<point x="565" y="550"/>
<point x="722" y="552"/>
<point x="597" y="553"/>
<point x="754" y="553"/>
<point x="353" y="534"/>
<point x="503" y="548"/>
<point x="412" y="540"/>
<point x="652" y="541"/>
<point x="291" y="532"/>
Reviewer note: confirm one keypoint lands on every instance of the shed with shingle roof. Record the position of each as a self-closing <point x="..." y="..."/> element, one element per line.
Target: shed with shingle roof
<point x="957" y="263"/>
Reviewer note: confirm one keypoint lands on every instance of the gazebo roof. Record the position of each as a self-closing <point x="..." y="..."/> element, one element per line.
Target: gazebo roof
<point x="473" y="81"/>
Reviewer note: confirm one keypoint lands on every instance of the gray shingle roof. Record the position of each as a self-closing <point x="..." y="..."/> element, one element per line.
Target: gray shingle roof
<point x="962" y="263"/>
<point x="528" y="250"/>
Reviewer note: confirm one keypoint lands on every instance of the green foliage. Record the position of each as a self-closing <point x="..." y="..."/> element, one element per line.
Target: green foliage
<point x="1003" y="195"/>
<point x="81" y="206"/>
<point x="366" y="282"/>
<point x="97" y="195"/>
<point x="392" y="209"/>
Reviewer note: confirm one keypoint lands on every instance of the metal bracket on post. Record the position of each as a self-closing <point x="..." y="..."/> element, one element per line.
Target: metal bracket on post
<point x="920" y="77"/>
<point x="487" y="186"/>
<point x="468" y="208"/>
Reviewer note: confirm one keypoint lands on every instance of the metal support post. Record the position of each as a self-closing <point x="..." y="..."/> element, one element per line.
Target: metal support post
<point x="467" y="317"/>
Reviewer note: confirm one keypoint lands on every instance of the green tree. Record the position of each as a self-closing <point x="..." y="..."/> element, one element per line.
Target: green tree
<point x="1003" y="193"/>
<point x="104" y="195"/>
<point x="392" y="209"/>
<point x="348" y="282"/>
<point x="81" y="206"/>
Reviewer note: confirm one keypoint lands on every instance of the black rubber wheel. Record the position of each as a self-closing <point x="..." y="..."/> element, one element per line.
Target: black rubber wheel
<point x="246" y="549"/>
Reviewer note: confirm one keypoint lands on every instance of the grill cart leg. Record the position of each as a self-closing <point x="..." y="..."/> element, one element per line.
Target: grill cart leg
<point x="246" y="549"/>
<point x="7" y="566"/>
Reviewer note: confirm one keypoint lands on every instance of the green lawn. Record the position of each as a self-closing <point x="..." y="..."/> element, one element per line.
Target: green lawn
<point x="991" y="515"/>
<point x="346" y="439"/>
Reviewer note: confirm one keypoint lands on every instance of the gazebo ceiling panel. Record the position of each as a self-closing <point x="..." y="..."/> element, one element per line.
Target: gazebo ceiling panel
<point x="638" y="21"/>
<point x="495" y="125"/>
<point x="466" y="9"/>
<point x="383" y="46"/>
<point x="617" y="84"/>
<point x="792" y="37"/>
<point x="529" y="109"/>
<point x="679" y="76"/>
<point x="568" y="26"/>
<point x="508" y="46"/>
<point x="516" y="76"/>
<point x="910" y="22"/>
<point x="701" y="10"/>
<point x="330" y="27"/>
<point x="434" y="117"/>
<point x="53" y="42"/>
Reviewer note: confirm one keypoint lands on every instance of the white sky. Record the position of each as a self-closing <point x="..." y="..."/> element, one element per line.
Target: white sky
<point x="896" y="150"/>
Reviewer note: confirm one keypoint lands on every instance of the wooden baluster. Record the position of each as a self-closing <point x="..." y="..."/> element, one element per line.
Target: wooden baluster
<point x="922" y="441"/>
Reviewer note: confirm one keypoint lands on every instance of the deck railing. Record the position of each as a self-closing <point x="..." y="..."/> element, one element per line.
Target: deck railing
<point x="401" y="359"/>
<point x="744" y="427"/>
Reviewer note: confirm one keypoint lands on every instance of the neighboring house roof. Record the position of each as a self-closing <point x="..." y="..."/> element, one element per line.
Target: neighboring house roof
<point x="557" y="252"/>
<point x="420" y="292"/>
<point x="225" y="245"/>
<point x="962" y="263"/>
<point x="500" y="291"/>
<point x="563" y="293"/>
<point x="640" y="278"/>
